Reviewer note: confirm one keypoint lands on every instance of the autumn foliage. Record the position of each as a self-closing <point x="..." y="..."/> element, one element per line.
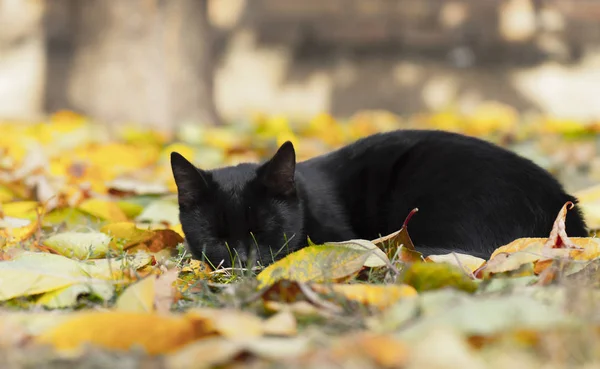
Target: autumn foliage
<point x="89" y="233"/>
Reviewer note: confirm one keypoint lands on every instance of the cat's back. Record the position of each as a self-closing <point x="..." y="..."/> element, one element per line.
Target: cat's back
<point x="470" y="193"/>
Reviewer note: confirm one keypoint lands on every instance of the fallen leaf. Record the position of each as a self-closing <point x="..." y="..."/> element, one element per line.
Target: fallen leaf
<point x="398" y="245"/>
<point x="32" y="273"/>
<point x="315" y="264"/>
<point x="157" y="334"/>
<point x="377" y="258"/>
<point x="15" y="230"/>
<point x="79" y="245"/>
<point x="428" y="276"/>
<point x="385" y="351"/>
<point x="207" y="353"/>
<point x="21" y="209"/>
<point x="165" y="290"/>
<point x="467" y="263"/>
<point x="138" y="297"/>
<point x="281" y="324"/>
<point x="229" y="323"/>
<point x="380" y="296"/>
<point x="103" y="209"/>
<point x="68" y="296"/>
<point x="160" y="211"/>
<point x="126" y="234"/>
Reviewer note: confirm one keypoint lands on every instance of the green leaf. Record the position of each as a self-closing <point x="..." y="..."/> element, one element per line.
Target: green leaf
<point x="430" y="276"/>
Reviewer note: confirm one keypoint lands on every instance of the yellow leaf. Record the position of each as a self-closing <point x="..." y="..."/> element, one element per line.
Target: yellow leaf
<point x="15" y="230"/>
<point x="126" y="234"/>
<point x="135" y="134"/>
<point x="376" y="258"/>
<point x="520" y="244"/>
<point x="6" y="194"/>
<point x="589" y="203"/>
<point x="177" y="228"/>
<point x="229" y="323"/>
<point x="316" y="264"/>
<point x="212" y="352"/>
<point x="68" y="296"/>
<point x="131" y="210"/>
<point x="165" y="290"/>
<point x="103" y="209"/>
<point x="157" y="334"/>
<point x="69" y="216"/>
<point x="138" y="297"/>
<point x="380" y="296"/>
<point x="32" y="273"/>
<point x="281" y="324"/>
<point x="468" y="263"/>
<point x="383" y="350"/>
<point x="490" y="117"/>
<point x="21" y="209"/>
<point x="79" y="245"/>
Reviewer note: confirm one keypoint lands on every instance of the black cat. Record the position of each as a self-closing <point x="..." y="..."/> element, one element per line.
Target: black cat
<point x="472" y="197"/>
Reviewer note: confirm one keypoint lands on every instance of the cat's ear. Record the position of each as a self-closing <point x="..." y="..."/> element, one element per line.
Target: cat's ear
<point x="277" y="174"/>
<point x="192" y="183"/>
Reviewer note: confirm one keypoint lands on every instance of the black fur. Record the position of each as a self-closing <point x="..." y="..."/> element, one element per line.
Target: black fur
<point x="472" y="197"/>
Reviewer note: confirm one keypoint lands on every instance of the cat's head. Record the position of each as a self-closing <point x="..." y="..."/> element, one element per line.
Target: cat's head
<point x="240" y="214"/>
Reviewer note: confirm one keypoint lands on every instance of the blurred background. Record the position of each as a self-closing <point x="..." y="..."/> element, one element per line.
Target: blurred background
<point x="524" y="73"/>
<point x="163" y="62"/>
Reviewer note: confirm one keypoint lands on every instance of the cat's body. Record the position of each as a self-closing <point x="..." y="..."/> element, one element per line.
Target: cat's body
<point x="472" y="197"/>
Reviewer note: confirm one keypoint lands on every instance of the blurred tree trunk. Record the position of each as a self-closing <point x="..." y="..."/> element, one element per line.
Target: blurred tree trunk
<point x="22" y="58"/>
<point x="147" y="61"/>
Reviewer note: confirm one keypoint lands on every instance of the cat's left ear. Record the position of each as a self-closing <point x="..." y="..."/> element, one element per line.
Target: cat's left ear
<point x="192" y="183"/>
<point x="277" y="174"/>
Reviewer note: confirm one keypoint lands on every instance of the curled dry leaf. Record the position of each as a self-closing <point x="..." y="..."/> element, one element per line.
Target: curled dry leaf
<point x="398" y="245"/>
<point x="558" y="236"/>
<point x="540" y="252"/>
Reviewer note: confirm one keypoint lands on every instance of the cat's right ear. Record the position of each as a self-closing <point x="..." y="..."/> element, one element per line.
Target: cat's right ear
<point x="192" y="183"/>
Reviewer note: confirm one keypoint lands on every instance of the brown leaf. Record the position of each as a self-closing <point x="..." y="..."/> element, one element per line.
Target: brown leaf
<point x="399" y="245"/>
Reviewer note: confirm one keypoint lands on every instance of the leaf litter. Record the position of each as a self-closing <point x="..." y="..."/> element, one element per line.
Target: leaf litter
<point x="92" y="259"/>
